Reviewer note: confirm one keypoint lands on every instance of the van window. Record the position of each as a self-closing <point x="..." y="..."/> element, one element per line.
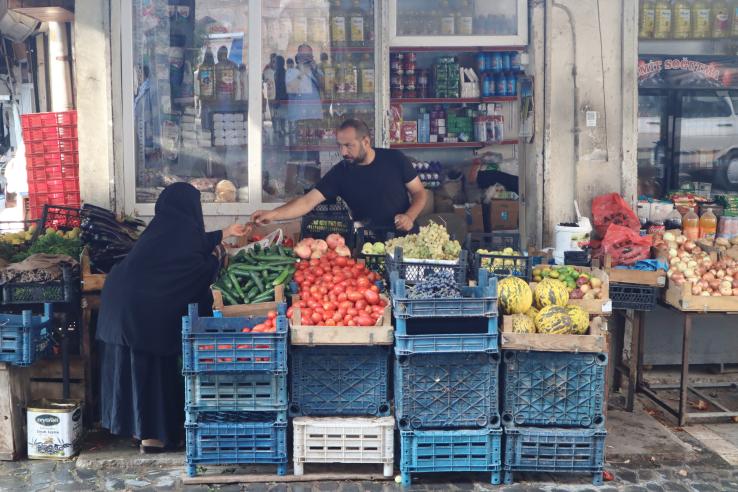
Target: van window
<point x="705" y="107"/>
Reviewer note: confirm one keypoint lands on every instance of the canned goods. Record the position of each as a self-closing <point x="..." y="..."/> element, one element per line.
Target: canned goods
<point x="395" y="80"/>
<point x="409" y="80"/>
<point x="410" y="56"/>
<point x="409" y="66"/>
<point x="396" y="92"/>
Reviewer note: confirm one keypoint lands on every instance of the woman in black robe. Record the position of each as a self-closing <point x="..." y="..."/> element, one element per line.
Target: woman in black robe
<point x="139" y="327"/>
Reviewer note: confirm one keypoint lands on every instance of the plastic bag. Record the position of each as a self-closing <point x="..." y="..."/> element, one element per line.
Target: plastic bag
<point x="612" y="209"/>
<point x="625" y="246"/>
<point x="274" y="237"/>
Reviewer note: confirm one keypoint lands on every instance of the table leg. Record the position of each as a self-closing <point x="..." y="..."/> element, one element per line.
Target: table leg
<point x="634" y="360"/>
<point x="639" y="353"/>
<point x="684" y="379"/>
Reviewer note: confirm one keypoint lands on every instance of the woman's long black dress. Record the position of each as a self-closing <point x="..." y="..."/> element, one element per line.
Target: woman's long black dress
<point x="140" y="321"/>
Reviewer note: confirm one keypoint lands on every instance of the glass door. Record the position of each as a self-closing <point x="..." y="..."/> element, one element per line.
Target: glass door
<point x="653" y="144"/>
<point x="319" y="70"/>
<point x="458" y="23"/>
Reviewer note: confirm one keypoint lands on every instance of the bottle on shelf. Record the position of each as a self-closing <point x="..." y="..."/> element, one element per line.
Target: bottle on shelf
<point x="349" y="79"/>
<point x="512" y="83"/>
<point x="691" y="225"/>
<point x="673" y="220"/>
<point x="448" y="20"/>
<point x="357" y="23"/>
<point x="329" y="76"/>
<point x="720" y="19"/>
<point x="708" y="225"/>
<point x="367" y="76"/>
<point x="501" y="84"/>
<point x="681" y="19"/>
<point x="339" y="32"/>
<point x="734" y="28"/>
<point x="465" y="19"/>
<point x="700" y="19"/>
<point x="206" y="76"/>
<point x="646" y="19"/>
<point x="662" y="20"/>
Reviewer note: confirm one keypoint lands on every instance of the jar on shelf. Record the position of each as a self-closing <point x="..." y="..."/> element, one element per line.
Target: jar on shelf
<point x="409" y="66"/>
<point x="421" y="84"/>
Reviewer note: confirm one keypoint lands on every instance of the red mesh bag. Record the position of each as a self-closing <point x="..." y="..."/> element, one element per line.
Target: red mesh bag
<point x="612" y="209"/>
<point x="625" y="246"/>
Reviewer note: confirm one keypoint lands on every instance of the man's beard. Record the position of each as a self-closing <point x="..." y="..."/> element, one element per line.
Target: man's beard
<point x="359" y="159"/>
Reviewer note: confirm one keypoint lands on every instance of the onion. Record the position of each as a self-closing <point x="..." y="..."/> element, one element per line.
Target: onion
<point x="708" y="276"/>
<point x="692" y="264"/>
<point x="670" y="273"/>
<point x="689" y="245"/>
<point x="678" y="278"/>
<point x="673" y="252"/>
<point x="714" y="284"/>
<point x="704" y="284"/>
<point x="705" y="294"/>
<point x="681" y="239"/>
<point x="720" y="274"/>
<point x="669" y="236"/>
<point x="689" y="273"/>
<point x="716" y="294"/>
<point x="726" y="289"/>
<point x="682" y="267"/>
<point x="674" y="260"/>
<point x="696" y="289"/>
<point x="700" y="271"/>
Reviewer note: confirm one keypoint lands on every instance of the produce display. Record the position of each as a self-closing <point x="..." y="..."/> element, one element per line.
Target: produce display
<point x="514" y="296"/>
<point x="251" y="277"/>
<point x="554" y="320"/>
<point x="53" y="242"/>
<point x="706" y="276"/>
<point x="550" y="292"/>
<point x="580" y="285"/>
<point x="108" y="237"/>
<point x="337" y="291"/>
<point x="373" y="249"/>
<point x="316" y="248"/>
<point x="493" y="264"/>
<point x="431" y="243"/>
<point x="435" y="285"/>
<point x="523" y="324"/>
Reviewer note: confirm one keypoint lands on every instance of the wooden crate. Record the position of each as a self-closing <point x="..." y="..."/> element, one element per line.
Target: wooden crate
<point x="594" y="341"/>
<point x="600" y="307"/>
<point x="46" y="379"/>
<point x="681" y="298"/>
<point x="638" y="277"/>
<point x="240" y="310"/>
<point x="14" y="395"/>
<point x="380" y="334"/>
<point x="91" y="282"/>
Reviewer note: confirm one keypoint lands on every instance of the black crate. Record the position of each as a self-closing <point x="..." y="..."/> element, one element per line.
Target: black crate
<point x="636" y="297"/>
<point x="65" y="290"/>
<point x="414" y="271"/>
<point x="578" y="258"/>
<point x="58" y="218"/>
<point x="374" y="262"/>
<point x="327" y="219"/>
<point x="518" y="265"/>
<point x="492" y="240"/>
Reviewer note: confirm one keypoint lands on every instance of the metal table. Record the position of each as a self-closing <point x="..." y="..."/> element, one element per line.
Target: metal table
<point x="636" y="382"/>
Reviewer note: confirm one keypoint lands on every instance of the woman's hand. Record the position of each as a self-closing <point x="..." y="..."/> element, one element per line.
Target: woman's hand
<point x="236" y="230"/>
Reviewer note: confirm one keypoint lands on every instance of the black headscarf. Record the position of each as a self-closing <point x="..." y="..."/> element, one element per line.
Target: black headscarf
<point x="171" y="266"/>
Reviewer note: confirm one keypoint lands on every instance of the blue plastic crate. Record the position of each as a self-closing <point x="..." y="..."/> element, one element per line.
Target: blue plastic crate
<point x="480" y="301"/>
<point x="556" y="389"/>
<point x="451" y="451"/>
<point x="535" y="449"/>
<point x="414" y="271"/>
<point x="218" y="345"/>
<point x="236" y="443"/>
<point x="193" y="416"/>
<point x="258" y="391"/>
<point x="446" y="391"/>
<point x="25" y="338"/>
<point x="433" y="335"/>
<point x="339" y="381"/>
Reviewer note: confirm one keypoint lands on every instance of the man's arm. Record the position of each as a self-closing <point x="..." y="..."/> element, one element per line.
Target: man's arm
<point x="291" y="210"/>
<point x="418" y="198"/>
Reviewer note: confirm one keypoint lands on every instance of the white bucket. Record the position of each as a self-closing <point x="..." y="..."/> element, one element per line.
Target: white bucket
<point x="571" y="238"/>
<point x="54" y="428"/>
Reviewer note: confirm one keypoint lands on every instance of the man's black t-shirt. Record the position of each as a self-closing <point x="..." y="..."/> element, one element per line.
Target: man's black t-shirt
<point x="375" y="192"/>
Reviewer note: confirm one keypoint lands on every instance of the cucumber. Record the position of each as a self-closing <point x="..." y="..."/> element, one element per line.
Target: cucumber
<point x="228" y="298"/>
<point x="267" y="295"/>
<point x="236" y="286"/>
<point x="282" y="277"/>
<point x="257" y="281"/>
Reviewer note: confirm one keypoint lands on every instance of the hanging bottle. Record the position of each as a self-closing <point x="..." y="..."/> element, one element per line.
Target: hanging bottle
<point x="662" y="21"/>
<point x="646" y="19"/>
<point x="700" y="19"/>
<point x="681" y="16"/>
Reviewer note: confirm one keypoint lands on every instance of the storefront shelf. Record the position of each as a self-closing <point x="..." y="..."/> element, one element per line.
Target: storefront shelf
<point x="454" y="100"/>
<point x="441" y="145"/>
<point x="346" y="102"/>
<point x="455" y="49"/>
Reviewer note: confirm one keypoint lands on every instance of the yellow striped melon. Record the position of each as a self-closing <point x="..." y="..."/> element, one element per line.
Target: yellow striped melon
<point x="580" y="319"/>
<point x="551" y="292"/>
<point x="522" y="324"/>
<point x="554" y="320"/>
<point x="515" y="296"/>
<point x="532" y="312"/>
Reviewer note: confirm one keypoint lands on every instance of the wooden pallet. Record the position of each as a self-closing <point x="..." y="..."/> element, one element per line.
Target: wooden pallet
<point x="14" y="395"/>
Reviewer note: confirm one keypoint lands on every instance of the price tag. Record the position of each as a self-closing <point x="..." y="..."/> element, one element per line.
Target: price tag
<point x="607" y="307"/>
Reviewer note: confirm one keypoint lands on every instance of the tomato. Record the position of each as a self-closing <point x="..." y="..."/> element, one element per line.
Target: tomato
<point x="374" y="288"/>
<point x="290" y="312"/>
<point x="371" y="296"/>
<point x="330" y="322"/>
<point x="342" y="296"/>
<point x="351" y="322"/>
<point x="368" y="309"/>
<point x="350" y="261"/>
<point x="340" y="261"/>
<point x="271" y="314"/>
<point x="259" y="327"/>
<point x="316" y="317"/>
<point x="378" y="309"/>
<point x="245" y="329"/>
<point x="302" y="265"/>
<point x="318" y="272"/>
<point x="345" y="305"/>
<point x="360" y="304"/>
<point x="363" y="282"/>
<point x="312" y="304"/>
<point x="354" y="295"/>
<point x="337" y="289"/>
<point x="352" y="311"/>
<point x="337" y="317"/>
<point x="314" y="262"/>
<point x="327" y="279"/>
<point x="323" y="290"/>
<point x="314" y="289"/>
<point x="298" y="277"/>
<point x="363" y="321"/>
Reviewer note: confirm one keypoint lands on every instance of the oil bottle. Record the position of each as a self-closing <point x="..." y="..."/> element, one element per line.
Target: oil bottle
<point x="700" y="19"/>
<point x="662" y="20"/>
<point x="720" y="19"/>
<point x="646" y="19"/>
<point x="681" y="19"/>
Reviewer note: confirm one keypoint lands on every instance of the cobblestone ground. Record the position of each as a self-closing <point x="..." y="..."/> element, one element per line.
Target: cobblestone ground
<point x="706" y="476"/>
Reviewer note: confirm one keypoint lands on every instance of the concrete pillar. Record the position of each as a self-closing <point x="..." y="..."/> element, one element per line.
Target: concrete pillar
<point x="60" y="80"/>
<point x="583" y="55"/>
<point x="94" y="106"/>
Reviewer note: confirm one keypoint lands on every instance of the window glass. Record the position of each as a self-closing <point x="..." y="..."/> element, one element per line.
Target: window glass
<point x="190" y="97"/>
<point x="319" y="70"/>
<point x="457" y="17"/>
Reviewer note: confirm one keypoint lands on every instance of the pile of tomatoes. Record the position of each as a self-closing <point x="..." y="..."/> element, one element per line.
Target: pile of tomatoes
<point x="337" y="291"/>
<point x="269" y="325"/>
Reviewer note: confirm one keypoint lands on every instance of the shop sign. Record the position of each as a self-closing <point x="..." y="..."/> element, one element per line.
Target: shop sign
<point x="687" y="72"/>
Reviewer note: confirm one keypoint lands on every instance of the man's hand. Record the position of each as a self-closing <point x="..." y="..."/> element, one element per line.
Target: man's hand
<point x="263" y="217"/>
<point x="236" y="230"/>
<point x="403" y="222"/>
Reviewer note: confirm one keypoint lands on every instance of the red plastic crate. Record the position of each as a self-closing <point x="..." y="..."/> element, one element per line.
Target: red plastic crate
<point x="60" y="145"/>
<point x="33" y="135"/>
<point x="40" y="120"/>
<point x="36" y="174"/>
<point x="58" y="132"/>
<point x="35" y="148"/>
<point x="48" y="186"/>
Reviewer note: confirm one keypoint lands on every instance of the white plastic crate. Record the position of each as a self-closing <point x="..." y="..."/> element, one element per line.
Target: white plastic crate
<point x="344" y="440"/>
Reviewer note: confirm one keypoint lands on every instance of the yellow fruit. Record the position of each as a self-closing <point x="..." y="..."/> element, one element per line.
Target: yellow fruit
<point x="515" y="296"/>
<point x="554" y="320"/>
<point x="580" y="319"/>
<point x="522" y="324"/>
<point x="551" y="292"/>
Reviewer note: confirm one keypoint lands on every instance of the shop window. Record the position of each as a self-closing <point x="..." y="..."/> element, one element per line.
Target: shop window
<point x="457" y="18"/>
<point x="191" y="97"/>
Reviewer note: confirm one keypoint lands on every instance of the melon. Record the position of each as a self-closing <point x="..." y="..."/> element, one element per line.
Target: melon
<point x="579" y="318"/>
<point x="554" y="320"/>
<point x="515" y="296"/>
<point x="551" y="292"/>
<point x="522" y="324"/>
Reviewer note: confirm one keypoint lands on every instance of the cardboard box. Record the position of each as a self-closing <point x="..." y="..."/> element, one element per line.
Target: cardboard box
<point x="471" y="214"/>
<point x="503" y="215"/>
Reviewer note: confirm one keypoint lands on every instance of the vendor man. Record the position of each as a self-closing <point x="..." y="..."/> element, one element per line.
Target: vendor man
<point x="379" y="185"/>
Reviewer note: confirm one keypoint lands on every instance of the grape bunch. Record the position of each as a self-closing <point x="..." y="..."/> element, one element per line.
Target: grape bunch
<point x="431" y="243"/>
<point x="435" y="285"/>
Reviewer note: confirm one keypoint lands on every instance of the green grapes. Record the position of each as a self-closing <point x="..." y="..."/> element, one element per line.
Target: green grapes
<point x="431" y="243"/>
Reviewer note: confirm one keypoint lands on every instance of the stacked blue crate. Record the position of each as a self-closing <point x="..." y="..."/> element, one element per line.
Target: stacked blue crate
<point x="235" y="391"/>
<point x="553" y="412"/>
<point x="446" y="381"/>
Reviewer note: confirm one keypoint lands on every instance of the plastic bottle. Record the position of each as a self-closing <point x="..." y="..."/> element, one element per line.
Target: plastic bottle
<point x="206" y="76"/>
<point x="720" y="19"/>
<point x="734" y="30"/>
<point x="681" y="19"/>
<point x="691" y="225"/>
<point x="708" y="225"/>
<point x="700" y="19"/>
<point x="501" y="84"/>
<point x="673" y="220"/>
<point x="662" y="20"/>
<point x="646" y="19"/>
<point x="512" y="84"/>
<point x="506" y="61"/>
